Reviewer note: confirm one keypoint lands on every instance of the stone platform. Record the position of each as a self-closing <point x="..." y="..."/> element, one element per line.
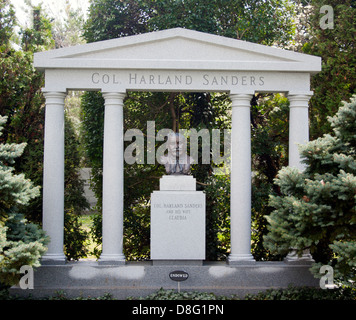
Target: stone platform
<point x="88" y="278"/>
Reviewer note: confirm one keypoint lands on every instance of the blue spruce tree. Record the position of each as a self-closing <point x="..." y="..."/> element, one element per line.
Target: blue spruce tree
<point x="21" y="243"/>
<point x="316" y="210"/>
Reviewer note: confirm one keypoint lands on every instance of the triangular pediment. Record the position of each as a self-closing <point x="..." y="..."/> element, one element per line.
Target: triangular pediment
<point x="177" y="49"/>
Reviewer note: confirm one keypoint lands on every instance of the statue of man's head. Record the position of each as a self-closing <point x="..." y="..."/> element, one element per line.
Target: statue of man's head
<point x="176" y="145"/>
<point x="177" y="161"/>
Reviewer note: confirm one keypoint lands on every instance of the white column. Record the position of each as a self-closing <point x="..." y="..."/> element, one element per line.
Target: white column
<point x="298" y="134"/>
<point x="113" y="180"/>
<point x="298" y="127"/>
<point x="240" y="219"/>
<point x="53" y="177"/>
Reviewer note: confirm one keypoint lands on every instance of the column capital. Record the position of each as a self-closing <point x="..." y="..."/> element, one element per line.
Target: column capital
<point x="114" y="98"/>
<point x="54" y="97"/>
<point x="240" y="99"/>
<point x="299" y="100"/>
<point x="114" y="95"/>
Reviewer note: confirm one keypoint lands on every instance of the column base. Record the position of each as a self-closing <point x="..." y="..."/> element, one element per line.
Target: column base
<point x="293" y="258"/>
<point x="239" y="259"/>
<point x="53" y="259"/>
<point x="112" y="259"/>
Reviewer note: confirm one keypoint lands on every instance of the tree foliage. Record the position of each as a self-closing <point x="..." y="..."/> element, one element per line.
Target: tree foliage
<point x="22" y="101"/>
<point x="68" y="32"/>
<point x="266" y="22"/>
<point x="269" y="148"/>
<point x="21" y="243"/>
<point x="337" y="80"/>
<point x="316" y="209"/>
<point x="114" y="19"/>
<point x="7" y="22"/>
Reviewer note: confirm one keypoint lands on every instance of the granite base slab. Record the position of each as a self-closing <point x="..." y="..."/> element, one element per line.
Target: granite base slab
<point x="135" y="279"/>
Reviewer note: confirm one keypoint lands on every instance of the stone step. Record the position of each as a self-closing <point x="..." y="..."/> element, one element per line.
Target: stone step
<point x="88" y="278"/>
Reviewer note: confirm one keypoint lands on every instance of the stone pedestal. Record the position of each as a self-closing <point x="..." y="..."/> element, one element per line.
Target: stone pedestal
<point x="177" y="220"/>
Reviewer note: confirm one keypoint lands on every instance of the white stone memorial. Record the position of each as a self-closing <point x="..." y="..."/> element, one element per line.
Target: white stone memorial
<point x="178" y="220"/>
<point x="173" y="60"/>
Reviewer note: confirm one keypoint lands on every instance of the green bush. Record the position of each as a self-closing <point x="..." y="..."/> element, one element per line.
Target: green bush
<point x="290" y="293"/>
<point x="304" y="293"/>
<point x="137" y="231"/>
<point x="96" y="233"/>
<point x="217" y="217"/>
<point x="75" y="237"/>
<point x="163" y="294"/>
<point x="21" y="243"/>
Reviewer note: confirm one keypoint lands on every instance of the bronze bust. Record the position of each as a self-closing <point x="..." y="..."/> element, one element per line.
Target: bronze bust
<point x="177" y="161"/>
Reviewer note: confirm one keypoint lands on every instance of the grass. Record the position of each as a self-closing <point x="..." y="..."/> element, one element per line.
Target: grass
<point x="86" y="221"/>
